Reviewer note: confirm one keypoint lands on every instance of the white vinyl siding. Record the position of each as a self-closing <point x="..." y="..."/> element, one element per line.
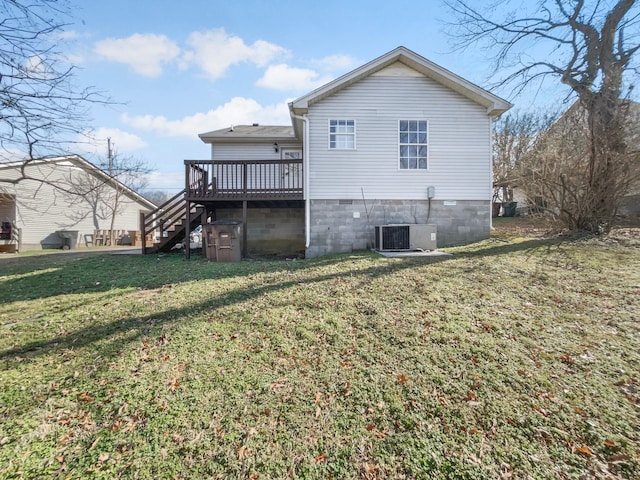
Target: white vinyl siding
<point x="458" y="142"/>
<point x="342" y="134"/>
<point x="41" y="209"/>
<point x="250" y="151"/>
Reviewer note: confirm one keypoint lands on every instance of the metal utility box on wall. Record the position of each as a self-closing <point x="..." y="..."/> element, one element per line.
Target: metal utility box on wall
<point x="406" y="237"/>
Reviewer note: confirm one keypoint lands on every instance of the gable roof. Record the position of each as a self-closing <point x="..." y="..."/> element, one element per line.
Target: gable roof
<point x="249" y="133"/>
<point x="80" y="162"/>
<point x="494" y="104"/>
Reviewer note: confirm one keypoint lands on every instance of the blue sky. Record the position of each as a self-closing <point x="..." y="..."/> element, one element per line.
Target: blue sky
<point x="177" y="69"/>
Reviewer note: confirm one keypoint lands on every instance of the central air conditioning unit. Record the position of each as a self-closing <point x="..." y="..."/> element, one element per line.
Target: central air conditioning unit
<point x="411" y="236"/>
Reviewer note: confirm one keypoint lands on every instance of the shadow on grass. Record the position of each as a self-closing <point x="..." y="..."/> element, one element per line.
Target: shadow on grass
<point x="149" y="272"/>
<point x="497" y="247"/>
<point x="135" y="327"/>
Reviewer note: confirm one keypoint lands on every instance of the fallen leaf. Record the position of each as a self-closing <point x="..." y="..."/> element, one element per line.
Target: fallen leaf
<point x="610" y="444"/>
<point x="401" y="378"/>
<point x="380" y="435"/>
<point x="541" y="411"/>
<point x="586" y="451"/>
<point x="321" y="458"/>
<point x="104" y="456"/>
<point x="566" y="358"/>
<point x="174" y="384"/>
<point x="95" y="442"/>
<point x="130" y="426"/>
<point x="65" y="438"/>
<point x="85" y="397"/>
<point x="163" y="453"/>
<point x="243" y="452"/>
<point x="60" y="459"/>
<point x="471" y="396"/>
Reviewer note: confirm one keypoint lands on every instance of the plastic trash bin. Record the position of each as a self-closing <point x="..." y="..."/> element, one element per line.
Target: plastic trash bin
<point x="68" y="239"/>
<point x="509" y="209"/>
<point x="209" y="241"/>
<point x="223" y="241"/>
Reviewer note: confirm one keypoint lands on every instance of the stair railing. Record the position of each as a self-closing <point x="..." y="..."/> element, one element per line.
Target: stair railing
<point x="154" y="223"/>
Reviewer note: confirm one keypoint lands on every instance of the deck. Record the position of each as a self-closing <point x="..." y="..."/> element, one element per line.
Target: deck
<point x="240" y="180"/>
<point x="213" y="184"/>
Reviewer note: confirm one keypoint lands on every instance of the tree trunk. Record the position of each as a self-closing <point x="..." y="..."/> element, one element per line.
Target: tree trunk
<point x="607" y="144"/>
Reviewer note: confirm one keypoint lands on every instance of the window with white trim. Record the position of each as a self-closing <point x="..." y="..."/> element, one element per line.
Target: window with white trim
<point x="342" y="134"/>
<point x="413" y="144"/>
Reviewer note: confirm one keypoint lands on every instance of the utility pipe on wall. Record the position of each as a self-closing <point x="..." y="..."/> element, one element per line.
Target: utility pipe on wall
<point x="305" y="173"/>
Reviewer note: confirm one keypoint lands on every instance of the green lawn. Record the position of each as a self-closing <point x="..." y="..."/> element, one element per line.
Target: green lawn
<point x="516" y="358"/>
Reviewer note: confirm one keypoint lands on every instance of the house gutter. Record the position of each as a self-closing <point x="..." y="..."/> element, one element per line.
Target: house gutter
<point x="305" y="172"/>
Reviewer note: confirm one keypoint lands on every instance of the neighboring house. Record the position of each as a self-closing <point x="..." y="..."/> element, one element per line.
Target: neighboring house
<point x="399" y="140"/>
<point x="64" y="194"/>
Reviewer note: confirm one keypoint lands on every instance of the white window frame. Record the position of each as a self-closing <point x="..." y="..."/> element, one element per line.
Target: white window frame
<point x="336" y="134"/>
<point x="413" y="143"/>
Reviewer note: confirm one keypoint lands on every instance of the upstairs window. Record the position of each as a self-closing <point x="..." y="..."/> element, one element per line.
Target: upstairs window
<point x="413" y="142"/>
<point x="342" y="134"/>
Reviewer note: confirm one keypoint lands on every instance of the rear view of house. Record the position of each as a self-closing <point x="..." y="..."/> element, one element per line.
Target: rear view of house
<point x="399" y="140"/>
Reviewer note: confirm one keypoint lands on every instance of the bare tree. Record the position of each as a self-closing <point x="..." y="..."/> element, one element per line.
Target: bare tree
<point x="553" y="171"/>
<point x="513" y="138"/>
<point x="589" y="47"/>
<point x="106" y="198"/>
<point x="41" y="109"/>
<point x="156" y="196"/>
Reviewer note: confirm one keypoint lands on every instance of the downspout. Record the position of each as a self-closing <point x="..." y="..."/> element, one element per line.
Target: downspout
<point x="491" y="120"/>
<point x="305" y="173"/>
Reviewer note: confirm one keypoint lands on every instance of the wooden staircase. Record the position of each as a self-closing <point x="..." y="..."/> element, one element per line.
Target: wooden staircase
<point x="165" y="227"/>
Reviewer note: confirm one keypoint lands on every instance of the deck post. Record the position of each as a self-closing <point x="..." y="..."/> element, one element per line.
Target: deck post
<point x="187" y="214"/>
<point x="187" y="231"/>
<point x="244" y="229"/>
<point x="143" y="231"/>
<point x="244" y="179"/>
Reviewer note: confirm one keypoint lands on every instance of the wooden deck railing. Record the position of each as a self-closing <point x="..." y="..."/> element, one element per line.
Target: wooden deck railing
<point x="243" y="179"/>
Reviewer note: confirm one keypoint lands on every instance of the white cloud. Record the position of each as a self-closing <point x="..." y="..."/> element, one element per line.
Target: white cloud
<point x="215" y="51"/>
<point x="284" y="77"/>
<point x="95" y="141"/>
<point x="237" y="111"/>
<point x="36" y="65"/>
<point x="144" y="53"/>
<point x="335" y="63"/>
<point x="165" y="180"/>
<point x="66" y="35"/>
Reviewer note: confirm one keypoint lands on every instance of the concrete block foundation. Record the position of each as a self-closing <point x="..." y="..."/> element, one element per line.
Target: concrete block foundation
<point x="271" y="231"/>
<point x="348" y="225"/>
